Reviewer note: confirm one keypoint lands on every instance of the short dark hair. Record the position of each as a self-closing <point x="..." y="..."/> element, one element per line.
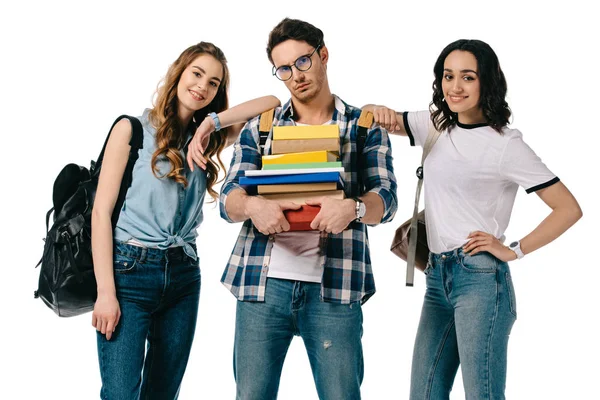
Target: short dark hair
<point x="294" y="29"/>
<point x="492" y="98"/>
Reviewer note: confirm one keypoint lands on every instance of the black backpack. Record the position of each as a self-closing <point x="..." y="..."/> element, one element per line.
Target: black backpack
<point x="67" y="282"/>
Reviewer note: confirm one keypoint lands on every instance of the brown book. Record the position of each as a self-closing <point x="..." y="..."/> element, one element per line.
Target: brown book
<point x="300" y="198"/>
<point x="296" y="187"/>
<point x="302" y="145"/>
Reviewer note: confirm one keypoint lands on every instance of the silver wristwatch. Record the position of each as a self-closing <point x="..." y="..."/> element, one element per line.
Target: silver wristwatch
<point x="361" y="209"/>
<point x="516" y="247"/>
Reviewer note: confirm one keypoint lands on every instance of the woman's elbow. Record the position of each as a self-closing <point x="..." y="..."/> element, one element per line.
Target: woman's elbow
<point x="572" y="211"/>
<point x="99" y="215"/>
<point x="576" y="212"/>
<point x="274" y="101"/>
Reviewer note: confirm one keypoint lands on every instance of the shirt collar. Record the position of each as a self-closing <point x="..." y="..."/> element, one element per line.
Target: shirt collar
<point x="340" y="106"/>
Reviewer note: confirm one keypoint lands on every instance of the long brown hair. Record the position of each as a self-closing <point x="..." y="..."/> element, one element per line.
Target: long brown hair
<point x="170" y="134"/>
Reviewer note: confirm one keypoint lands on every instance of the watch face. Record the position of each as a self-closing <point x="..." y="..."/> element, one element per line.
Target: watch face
<point x="513" y="244"/>
<point x="362" y="209"/>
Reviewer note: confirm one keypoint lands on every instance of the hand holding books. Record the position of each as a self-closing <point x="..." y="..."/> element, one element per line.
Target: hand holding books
<point x="268" y="215"/>
<point x="335" y="215"/>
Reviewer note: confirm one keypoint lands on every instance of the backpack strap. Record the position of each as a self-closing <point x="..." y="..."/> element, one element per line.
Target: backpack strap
<point x="264" y="128"/>
<point x="364" y="124"/>
<point x="432" y="137"/>
<point x="136" y="143"/>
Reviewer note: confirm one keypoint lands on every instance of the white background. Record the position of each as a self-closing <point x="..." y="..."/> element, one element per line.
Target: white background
<point x="69" y="68"/>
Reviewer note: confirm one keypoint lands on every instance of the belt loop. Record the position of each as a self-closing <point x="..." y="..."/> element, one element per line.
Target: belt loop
<point x="144" y="254"/>
<point x="459" y="253"/>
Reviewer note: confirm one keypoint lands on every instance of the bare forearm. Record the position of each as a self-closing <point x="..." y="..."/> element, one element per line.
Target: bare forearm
<point x="236" y="117"/>
<point x="559" y="220"/>
<point x="247" y="110"/>
<point x="236" y="205"/>
<point x="102" y="251"/>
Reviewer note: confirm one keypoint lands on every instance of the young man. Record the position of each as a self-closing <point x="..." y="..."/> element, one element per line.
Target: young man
<point x="305" y="283"/>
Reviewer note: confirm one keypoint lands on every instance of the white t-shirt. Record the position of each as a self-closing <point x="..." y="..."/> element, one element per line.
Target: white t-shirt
<point x="297" y="255"/>
<point x="471" y="179"/>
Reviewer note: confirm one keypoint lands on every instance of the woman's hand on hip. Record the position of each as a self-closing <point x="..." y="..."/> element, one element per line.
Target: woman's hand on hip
<point x="481" y="241"/>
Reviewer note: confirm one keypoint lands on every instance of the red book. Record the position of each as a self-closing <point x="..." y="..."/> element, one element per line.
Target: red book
<point x="300" y="219"/>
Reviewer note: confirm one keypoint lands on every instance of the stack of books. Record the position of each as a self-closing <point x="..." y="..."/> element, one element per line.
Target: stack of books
<point x="304" y="164"/>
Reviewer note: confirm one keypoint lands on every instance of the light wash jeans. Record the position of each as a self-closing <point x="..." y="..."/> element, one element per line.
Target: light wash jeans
<point x="468" y="312"/>
<point x="331" y="334"/>
<point x="158" y="292"/>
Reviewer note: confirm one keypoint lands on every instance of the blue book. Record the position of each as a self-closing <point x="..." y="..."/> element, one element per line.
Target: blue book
<point x="290" y="179"/>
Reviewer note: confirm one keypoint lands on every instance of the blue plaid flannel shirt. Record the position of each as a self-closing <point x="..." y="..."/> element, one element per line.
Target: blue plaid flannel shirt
<point x="347" y="275"/>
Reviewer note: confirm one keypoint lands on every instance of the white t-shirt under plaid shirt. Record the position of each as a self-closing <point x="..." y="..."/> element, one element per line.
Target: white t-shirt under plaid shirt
<point x="471" y="179"/>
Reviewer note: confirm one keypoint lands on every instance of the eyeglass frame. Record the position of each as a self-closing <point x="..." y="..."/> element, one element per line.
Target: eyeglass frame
<point x="294" y="65"/>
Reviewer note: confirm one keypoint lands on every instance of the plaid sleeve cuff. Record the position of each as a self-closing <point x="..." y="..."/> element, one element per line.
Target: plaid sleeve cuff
<point x="246" y="155"/>
<point x="223" y="199"/>
<point x="390" y="204"/>
<point x="380" y="175"/>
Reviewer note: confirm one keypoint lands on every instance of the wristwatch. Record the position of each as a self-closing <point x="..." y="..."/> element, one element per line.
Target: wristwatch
<point x="361" y="209"/>
<point x="516" y="247"/>
<point x="216" y="119"/>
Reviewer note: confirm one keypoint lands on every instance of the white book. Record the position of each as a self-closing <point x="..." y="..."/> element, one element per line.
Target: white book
<point x="271" y="172"/>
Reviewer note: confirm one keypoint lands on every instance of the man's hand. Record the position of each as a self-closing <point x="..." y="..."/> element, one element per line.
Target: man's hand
<point x="267" y="215"/>
<point x="335" y="214"/>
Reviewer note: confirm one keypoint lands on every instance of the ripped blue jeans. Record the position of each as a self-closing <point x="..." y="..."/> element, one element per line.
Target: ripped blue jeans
<point x="331" y="334"/>
<point x="468" y="312"/>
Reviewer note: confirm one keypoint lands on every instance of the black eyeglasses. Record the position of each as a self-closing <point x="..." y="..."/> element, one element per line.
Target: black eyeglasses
<point x="302" y="63"/>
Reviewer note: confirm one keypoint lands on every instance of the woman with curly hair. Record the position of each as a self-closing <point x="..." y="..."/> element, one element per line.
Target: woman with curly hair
<point x="147" y="270"/>
<point x="471" y="179"/>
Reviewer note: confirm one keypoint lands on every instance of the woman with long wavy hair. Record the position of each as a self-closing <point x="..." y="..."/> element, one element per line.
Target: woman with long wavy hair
<point x="471" y="179"/>
<point x="147" y="269"/>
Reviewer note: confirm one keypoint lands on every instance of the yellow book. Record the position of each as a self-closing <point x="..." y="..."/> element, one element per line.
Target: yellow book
<point x="300" y="197"/>
<point x="306" y="132"/>
<point x="296" y="187"/>
<point x="305" y="157"/>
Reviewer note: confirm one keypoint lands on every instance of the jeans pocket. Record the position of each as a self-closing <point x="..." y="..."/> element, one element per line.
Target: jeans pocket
<point x="480" y="262"/>
<point x="512" y="300"/>
<point x="428" y="268"/>
<point x="124" y="264"/>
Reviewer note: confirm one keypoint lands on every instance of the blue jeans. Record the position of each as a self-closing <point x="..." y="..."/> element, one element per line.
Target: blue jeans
<point x="467" y="315"/>
<point x="331" y="334"/>
<point x="158" y="292"/>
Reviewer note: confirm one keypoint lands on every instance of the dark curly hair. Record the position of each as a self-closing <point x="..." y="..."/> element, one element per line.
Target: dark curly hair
<point x="492" y="87"/>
